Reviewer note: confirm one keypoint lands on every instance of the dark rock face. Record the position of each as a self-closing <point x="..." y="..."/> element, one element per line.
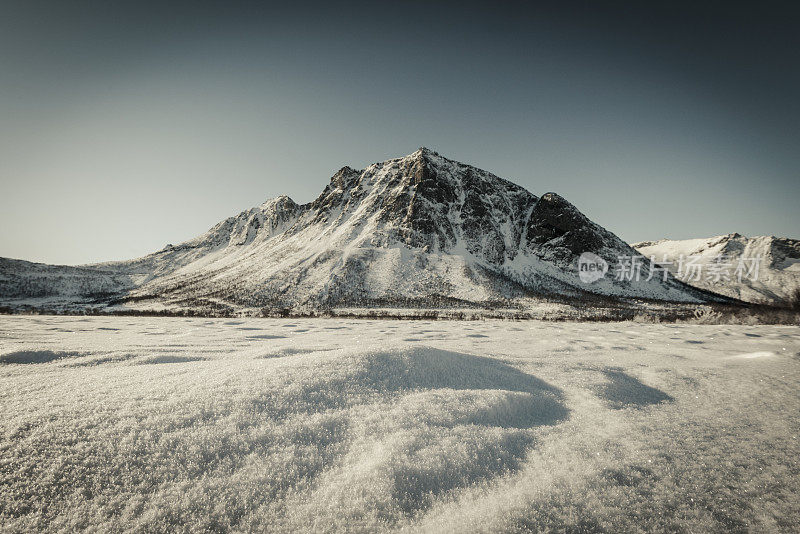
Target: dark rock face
<point x="432" y="203"/>
<point x="784" y="249"/>
<point x="429" y="197"/>
<point x="558" y="228"/>
<point x="429" y="202"/>
<point x="453" y="199"/>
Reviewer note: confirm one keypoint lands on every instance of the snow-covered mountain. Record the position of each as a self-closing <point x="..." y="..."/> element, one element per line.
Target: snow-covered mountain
<point x="763" y="269"/>
<point x="421" y="230"/>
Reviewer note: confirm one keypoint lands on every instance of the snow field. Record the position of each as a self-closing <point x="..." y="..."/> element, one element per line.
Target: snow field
<point x="157" y="424"/>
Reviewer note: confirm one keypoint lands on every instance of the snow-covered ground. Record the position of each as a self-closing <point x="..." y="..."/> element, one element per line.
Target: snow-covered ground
<point x="153" y="424"/>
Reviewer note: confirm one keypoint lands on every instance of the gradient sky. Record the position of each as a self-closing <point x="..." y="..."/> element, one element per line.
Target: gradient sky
<point x="125" y="126"/>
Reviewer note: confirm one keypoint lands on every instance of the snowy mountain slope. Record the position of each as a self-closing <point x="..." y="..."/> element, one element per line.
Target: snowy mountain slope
<point x="261" y="222"/>
<point x="87" y="283"/>
<point x="23" y="279"/>
<point x="417" y="228"/>
<point x="775" y="278"/>
<point x="421" y="230"/>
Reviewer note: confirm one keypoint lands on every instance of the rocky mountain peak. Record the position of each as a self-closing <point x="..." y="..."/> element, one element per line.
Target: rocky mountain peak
<point x="418" y="227"/>
<point x="423" y="153"/>
<point x="279" y="203"/>
<point x="344" y="178"/>
<point x="555" y="222"/>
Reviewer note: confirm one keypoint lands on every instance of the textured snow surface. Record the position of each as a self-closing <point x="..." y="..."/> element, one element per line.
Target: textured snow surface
<point x="777" y="279"/>
<point x="164" y="424"/>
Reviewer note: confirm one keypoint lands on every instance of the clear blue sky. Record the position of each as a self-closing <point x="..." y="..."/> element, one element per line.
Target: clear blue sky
<point x="128" y="125"/>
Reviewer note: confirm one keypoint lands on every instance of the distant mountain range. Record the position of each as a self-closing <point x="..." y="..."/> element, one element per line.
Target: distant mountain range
<point x="763" y="269"/>
<point x="416" y="231"/>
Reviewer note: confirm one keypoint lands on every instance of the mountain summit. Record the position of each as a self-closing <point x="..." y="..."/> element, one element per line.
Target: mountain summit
<point x="419" y="230"/>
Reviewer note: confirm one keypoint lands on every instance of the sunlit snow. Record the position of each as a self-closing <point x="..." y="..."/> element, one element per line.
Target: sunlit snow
<point x="156" y="424"/>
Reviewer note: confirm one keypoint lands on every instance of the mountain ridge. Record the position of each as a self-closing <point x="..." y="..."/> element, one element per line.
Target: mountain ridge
<point x="419" y="228"/>
<point x="776" y="279"/>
